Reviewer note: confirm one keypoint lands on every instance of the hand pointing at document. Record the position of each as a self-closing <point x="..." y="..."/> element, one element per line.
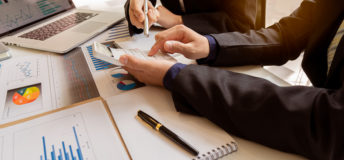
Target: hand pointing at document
<point x="181" y="39"/>
<point x="178" y="39"/>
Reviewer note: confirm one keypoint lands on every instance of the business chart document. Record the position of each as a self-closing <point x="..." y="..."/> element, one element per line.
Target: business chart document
<point x="38" y="83"/>
<point x="83" y="132"/>
<point x="111" y="80"/>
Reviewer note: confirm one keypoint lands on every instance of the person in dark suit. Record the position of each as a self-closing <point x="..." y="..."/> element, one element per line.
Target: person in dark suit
<point x="305" y="120"/>
<point x="203" y="16"/>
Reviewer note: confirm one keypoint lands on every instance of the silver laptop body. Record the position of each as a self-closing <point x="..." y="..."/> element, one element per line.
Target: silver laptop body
<point x="33" y="23"/>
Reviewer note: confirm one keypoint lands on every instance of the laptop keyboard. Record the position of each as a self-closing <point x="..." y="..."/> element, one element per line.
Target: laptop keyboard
<point x="58" y="26"/>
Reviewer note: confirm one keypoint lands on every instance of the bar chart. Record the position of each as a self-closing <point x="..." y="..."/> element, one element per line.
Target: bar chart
<point x="48" y="7"/>
<point x="97" y="63"/>
<point x="66" y="139"/>
<point x="119" y="31"/>
<point x="64" y="153"/>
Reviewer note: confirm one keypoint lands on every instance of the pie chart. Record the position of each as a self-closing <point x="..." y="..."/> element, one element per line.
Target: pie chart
<point x="25" y="95"/>
<point x="126" y="85"/>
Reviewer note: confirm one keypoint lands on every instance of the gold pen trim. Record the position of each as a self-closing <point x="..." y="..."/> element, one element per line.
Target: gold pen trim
<point x="157" y="127"/>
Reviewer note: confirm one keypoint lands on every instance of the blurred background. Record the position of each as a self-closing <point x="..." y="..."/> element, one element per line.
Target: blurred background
<point x="276" y="9"/>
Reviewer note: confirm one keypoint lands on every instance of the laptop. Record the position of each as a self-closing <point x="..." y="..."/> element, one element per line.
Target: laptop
<point x="51" y="25"/>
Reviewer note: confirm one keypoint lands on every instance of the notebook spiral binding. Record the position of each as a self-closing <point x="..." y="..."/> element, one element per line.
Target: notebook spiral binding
<point x="218" y="152"/>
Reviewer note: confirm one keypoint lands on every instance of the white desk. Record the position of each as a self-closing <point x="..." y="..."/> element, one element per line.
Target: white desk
<point x="247" y="149"/>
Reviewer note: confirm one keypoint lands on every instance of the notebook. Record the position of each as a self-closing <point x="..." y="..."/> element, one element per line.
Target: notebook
<point x="145" y="143"/>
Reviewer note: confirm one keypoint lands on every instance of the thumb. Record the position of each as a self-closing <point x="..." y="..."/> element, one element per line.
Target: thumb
<point x="132" y="62"/>
<point x="176" y="47"/>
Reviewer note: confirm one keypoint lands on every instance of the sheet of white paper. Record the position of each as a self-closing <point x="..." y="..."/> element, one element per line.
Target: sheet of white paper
<point x="138" y="41"/>
<point x="85" y="131"/>
<point x="291" y="72"/>
<point x="139" y="137"/>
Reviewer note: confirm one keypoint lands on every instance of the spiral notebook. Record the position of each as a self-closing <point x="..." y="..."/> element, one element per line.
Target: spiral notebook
<point x="145" y="143"/>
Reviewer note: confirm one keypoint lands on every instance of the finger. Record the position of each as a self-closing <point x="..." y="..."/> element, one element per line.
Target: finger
<point x="136" y="7"/>
<point x="155" y="48"/>
<point x="173" y="33"/>
<point x="177" y="47"/>
<point x="133" y="62"/>
<point x="150" y="5"/>
<point x="153" y="16"/>
<point x="135" y="22"/>
<point x="160" y="8"/>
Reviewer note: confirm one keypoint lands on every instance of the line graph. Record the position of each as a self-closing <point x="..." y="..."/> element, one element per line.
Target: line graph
<point x="24" y="69"/>
<point x="16" y="19"/>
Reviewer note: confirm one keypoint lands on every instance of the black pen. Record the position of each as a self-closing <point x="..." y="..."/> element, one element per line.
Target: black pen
<point x="165" y="131"/>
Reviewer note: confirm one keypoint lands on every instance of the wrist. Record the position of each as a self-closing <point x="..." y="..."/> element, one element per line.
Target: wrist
<point x="171" y="74"/>
<point x="179" y="20"/>
<point x="206" y="49"/>
<point x="211" y="52"/>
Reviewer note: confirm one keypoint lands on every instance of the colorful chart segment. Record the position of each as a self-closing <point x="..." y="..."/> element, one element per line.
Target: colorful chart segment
<point x="26" y="95"/>
<point x="118" y="75"/>
<point x="64" y="153"/>
<point x="124" y="81"/>
<point x="126" y="85"/>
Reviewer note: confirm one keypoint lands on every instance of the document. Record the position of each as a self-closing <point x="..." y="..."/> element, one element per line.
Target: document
<point x="83" y="132"/>
<point x="34" y="84"/>
<point x="112" y="55"/>
<point x="291" y="72"/>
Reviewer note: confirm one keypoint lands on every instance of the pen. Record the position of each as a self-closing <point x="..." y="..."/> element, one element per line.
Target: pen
<point x="166" y="132"/>
<point x="145" y="27"/>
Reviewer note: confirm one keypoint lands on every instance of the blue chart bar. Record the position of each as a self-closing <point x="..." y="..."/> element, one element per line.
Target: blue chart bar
<point x="67" y="152"/>
<point x="98" y="64"/>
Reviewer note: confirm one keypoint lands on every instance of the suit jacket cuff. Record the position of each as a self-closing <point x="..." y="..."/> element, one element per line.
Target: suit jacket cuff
<point x="172" y="74"/>
<point x="213" y="51"/>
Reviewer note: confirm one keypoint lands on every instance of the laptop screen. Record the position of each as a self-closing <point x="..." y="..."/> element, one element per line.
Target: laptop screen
<point x="18" y="13"/>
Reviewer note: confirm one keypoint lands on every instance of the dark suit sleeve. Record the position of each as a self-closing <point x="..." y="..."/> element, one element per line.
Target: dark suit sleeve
<point x="302" y="120"/>
<point x="132" y="28"/>
<point x="215" y="16"/>
<point x="275" y="45"/>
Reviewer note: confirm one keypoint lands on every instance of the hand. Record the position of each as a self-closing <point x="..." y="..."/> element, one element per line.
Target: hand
<point x="180" y="39"/>
<point x="137" y="16"/>
<point x="150" y="72"/>
<point x="167" y="19"/>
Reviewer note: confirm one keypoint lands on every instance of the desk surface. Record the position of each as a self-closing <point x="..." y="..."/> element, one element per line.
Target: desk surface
<point x="247" y="149"/>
